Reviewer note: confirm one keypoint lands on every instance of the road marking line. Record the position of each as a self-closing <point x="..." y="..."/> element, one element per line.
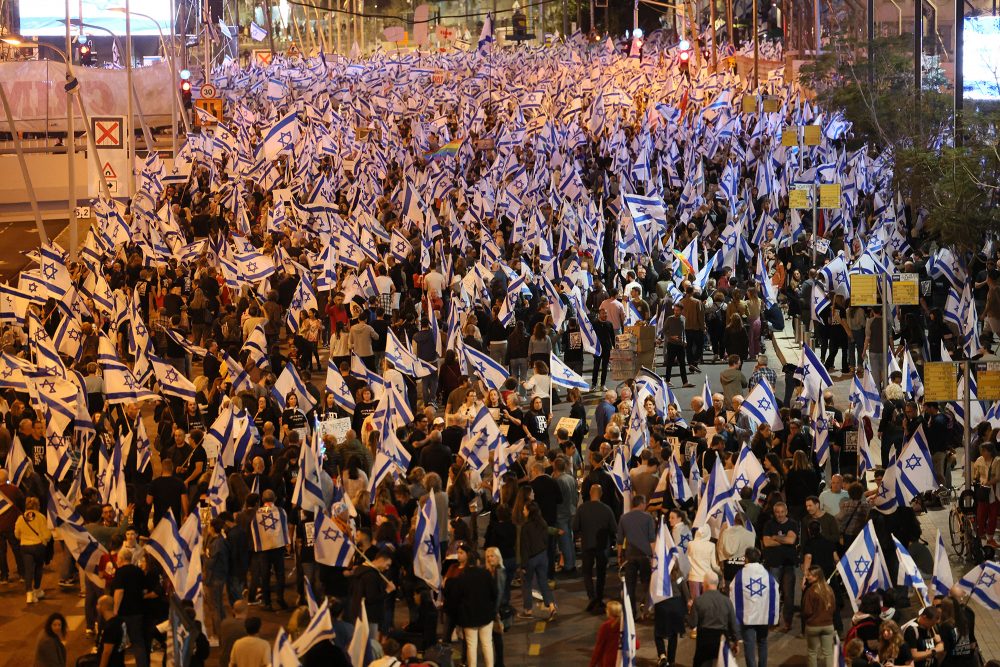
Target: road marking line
<point x="535" y="649"/>
<point x="74" y="622"/>
<point x="81" y="602"/>
<point x="540" y="627"/>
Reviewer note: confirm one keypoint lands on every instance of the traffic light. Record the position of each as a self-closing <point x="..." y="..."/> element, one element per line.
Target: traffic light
<point x="86" y="55"/>
<point x="186" y="93"/>
<point x="635" y="51"/>
<point x="684" y="56"/>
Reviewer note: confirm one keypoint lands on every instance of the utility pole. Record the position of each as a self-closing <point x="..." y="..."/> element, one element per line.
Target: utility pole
<point x="918" y="46"/>
<point x="959" y="75"/>
<point x="756" y="48"/>
<point x="71" y="153"/>
<point x="871" y="41"/>
<point x="130" y="122"/>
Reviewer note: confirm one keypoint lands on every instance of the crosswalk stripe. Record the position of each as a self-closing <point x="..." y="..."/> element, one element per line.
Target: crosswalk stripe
<point x="535" y="649"/>
<point x="540" y="627"/>
<point x="74" y="622"/>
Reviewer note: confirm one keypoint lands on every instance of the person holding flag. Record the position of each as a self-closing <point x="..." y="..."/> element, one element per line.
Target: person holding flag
<point x="755" y="596"/>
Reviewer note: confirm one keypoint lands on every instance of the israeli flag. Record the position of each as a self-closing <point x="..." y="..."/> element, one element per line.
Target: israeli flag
<point x="564" y="376"/>
<point x="912" y="384"/>
<point x="664" y="552"/>
<point x="862" y="567"/>
<point x="283" y="655"/>
<point x="941" y="578"/>
<point x="54" y="272"/>
<point x="909" y="573"/>
<point x="320" y="629"/>
<point x="836" y="277"/>
<point x="754" y="593"/>
<point x="308" y="491"/>
<point x="818" y="303"/>
<point x="486" y="36"/>
<point x="68" y="527"/>
<point x="761" y="406"/>
<point x="813" y="375"/>
<point x="336" y="385"/>
<point x="488" y="370"/>
<point x="706" y="393"/>
<point x="167" y="547"/>
<point x="915" y="466"/>
<point x="282" y="136"/>
<point x="983" y="584"/>
<point x="427" y="548"/>
<point x="18" y="463"/>
<point x="716" y="491"/>
<point x="865" y="460"/>
<point x="619" y="475"/>
<point x="726" y="657"/>
<point x="331" y="544"/>
<point x="269" y="529"/>
<point x="218" y="488"/>
<point x="821" y="432"/>
<point x="748" y="472"/>
<point x="288" y="382"/>
<point x="358" y="647"/>
<point x="257" y="33"/>
<point x="628" y="648"/>
<point x="172" y="383"/>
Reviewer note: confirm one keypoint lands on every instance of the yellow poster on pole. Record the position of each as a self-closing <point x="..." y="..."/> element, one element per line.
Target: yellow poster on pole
<point x="770" y="104"/>
<point x="940" y="381"/>
<point x="905" y="289"/>
<point x="829" y="196"/>
<point x="811" y="135"/>
<point x="798" y="198"/>
<point x="988" y="381"/>
<point x="864" y="289"/>
<point x="790" y="138"/>
<point x="749" y="104"/>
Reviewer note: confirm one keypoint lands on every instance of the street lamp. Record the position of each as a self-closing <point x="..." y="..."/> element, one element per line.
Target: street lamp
<point x="175" y="103"/>
<point x="73" y="89"/>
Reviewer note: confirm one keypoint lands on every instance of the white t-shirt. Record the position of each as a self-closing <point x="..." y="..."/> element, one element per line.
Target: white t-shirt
<point x="434" y="282"/>
<point x="384" y="284"/>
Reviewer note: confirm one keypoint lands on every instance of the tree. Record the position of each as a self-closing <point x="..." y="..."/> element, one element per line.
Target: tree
<point x="957" y="186"/>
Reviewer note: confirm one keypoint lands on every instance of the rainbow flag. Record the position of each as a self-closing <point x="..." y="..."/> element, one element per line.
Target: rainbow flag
<point x="685" y="264"/>
<point x="450" y="149"/>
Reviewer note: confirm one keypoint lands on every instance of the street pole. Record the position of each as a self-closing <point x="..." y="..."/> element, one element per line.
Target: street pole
<point x="33" y="200"/>
<point x="593" y="28"/>
<point x="756" y="48"/>
<point x="959" y="75"/>
<point x="871" y="41"/>
<point x="967" y="436"/>
<point x="918" y="47"/>
<point x="815" y="220"/>
<point x="207" y="66"/>
<point x="71" y="155"/>
<point x="884" y="371"/>
<point x="635" y="15"/>
<point x="715" y="50"/>
<point x="174" y="81"/>
<point x="270" y="26"/>
<point x="130" y="143"/>
<point x="729" y="22"/>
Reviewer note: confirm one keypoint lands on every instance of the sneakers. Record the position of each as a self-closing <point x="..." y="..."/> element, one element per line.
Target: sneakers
<point x="525" y="614"/>
<point x="29" y="597"/>
<point x="39" y="594"/>
<point x="662" y="662"/>
<point x="688" y="385"/>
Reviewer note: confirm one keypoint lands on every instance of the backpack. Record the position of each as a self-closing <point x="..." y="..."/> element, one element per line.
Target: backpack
<point x="853" y="632"/>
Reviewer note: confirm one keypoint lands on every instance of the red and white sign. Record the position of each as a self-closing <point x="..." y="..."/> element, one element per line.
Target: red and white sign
<point x="262" y="57"/>
<point x="109" y="171"/>
<point x="108" y="132"/>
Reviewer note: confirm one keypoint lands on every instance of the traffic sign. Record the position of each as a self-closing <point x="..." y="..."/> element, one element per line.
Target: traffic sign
<point x="82" y="212"/>
<point x="790" y="138"/>
<point x="988" y="381"/>
<point x="864" y="289"/>
<point x="940" y="381"/>
<point x="829" y="196"/>
<point x="212" y="106"/>
<point x="905" y="289"/>
<point x="108" y="132"/>
<point x="799" y="198"/>
<point x="109" y="171"/>
<point x="811" y="135"/>
<point x="262" y="57"/>
<point x="208" y="90"/>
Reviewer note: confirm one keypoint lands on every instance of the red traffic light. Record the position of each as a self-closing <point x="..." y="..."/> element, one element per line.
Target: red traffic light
<point x="685" y="56"/>
<point x="84" y="50"/>
<point x="186" y="86"/>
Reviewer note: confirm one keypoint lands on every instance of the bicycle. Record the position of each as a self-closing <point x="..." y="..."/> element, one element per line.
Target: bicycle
<point x="962" y="528"/>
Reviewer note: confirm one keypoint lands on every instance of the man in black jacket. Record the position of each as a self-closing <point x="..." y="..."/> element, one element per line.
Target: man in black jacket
<point x="605" y="332"/>
<point x="471" y="599"/>
<point x="548" y="496"/>
<point x="595" y="524"/>
<point x="369" y="586"/>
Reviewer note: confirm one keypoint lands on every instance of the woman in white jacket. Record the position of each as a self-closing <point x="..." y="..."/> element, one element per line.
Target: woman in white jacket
<point x="701" y="554"/>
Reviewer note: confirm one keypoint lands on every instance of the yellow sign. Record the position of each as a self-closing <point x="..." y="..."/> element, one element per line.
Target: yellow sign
<point x="770" y="104"/>
<point x="829" y="196"/>
<point x="749" y="104"/>
<point x="906" y="289"/>
<point x="790" y="138"/>
<point x="864" y="289"/>
<point x="988" y="381"/>
<point x="210" y="105"/>
<point x="811" y="135"/>
<point x="940" y="382"/>
<point x="798" y="198"/>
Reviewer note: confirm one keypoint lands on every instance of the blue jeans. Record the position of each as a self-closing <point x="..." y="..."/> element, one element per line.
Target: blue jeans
<point x="755" y="635"/>
<point x="536" y="569"/>
<point x="510" y="567"/>
<point x="785" y="576"/>
<point x="566" y="545"/>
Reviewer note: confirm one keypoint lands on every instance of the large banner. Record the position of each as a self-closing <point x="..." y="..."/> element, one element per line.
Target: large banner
<point x="38" y="98"/>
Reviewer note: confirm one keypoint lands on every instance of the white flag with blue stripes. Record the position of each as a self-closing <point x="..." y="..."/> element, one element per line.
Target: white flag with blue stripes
<point x="754" y="593"/>
<point x="813" y="375"/>
<point x="982" y="584"/>
<point x="761" y="406"/>
<point x="862" y="568"/>
<point x="269" y="529"/>
<point x="485" y="367"/>
<point x="564" y="376"/>
<point x="909" y="574"/>
<point x="748" y="472"/>
<point x="426" y="546"/>
<point x="664" y="553"/>
<point x="288" y="382"/>
<point x="915" y="466"/>
<point x="332" y="546"/>
<point x="941" y="578"/>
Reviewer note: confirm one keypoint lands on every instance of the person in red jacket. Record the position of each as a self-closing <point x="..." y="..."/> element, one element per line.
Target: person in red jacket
<point x="609" y="638"/>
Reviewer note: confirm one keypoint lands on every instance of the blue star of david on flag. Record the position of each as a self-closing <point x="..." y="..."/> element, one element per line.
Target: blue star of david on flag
<point x="756" y="587"/>
<point x="861" y="566"/>
<point x="913" y="462"/>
